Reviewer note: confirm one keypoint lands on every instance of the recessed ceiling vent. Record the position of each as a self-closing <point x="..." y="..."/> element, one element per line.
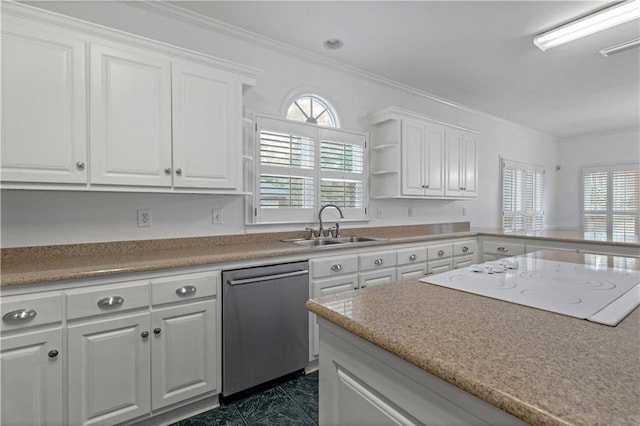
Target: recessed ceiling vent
<point x="619" y="48"/>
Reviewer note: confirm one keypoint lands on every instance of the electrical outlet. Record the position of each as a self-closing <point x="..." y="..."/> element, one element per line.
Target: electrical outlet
<point x="464" y="211"/>
<point x="378" y="213"/>
<point x="217" y="216"/>
<point x="144" y="217"/>
<point x="410" y="212"/>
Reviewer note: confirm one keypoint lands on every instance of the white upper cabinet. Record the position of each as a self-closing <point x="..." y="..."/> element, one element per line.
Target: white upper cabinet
<point x="417" y="157"/>
<point x="207" y="114"/>
<point x="43" y="105"/>
<point x="130" y="118"/>
<point x="461" y="164"/>
<point x="156" y="118"/>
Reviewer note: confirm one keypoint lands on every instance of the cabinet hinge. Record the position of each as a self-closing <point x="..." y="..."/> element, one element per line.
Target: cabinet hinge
<point x="256" y="126"/>
<point x="255" y="211"/>
<point x="365" y="211"/>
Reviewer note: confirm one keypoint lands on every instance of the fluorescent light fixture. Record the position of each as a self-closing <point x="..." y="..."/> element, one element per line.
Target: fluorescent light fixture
<point x="599" y="21"/>
<point x="619" y="48"/>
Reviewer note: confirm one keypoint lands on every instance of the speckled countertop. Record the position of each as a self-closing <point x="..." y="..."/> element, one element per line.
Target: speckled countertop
<point x="28" y="265"/>
<point x="545" y="368"/>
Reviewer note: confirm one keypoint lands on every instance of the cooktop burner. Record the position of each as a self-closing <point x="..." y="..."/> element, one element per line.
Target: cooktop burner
<point x="601" y="295"/>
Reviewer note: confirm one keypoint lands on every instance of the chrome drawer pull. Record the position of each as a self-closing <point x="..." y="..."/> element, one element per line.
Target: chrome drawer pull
<point x="413" y="257"/>
<point x="440" y="252"/>
<point x="53" y="353"/>
<point x="186" y="290"/>
<point x="111" y="301"/>
<point x="378" y="261"/>
<point x="465" y="249"/>
<point x="19" y="315"/>
<point x="336" y="267"/>
<point x="504" y="249"/>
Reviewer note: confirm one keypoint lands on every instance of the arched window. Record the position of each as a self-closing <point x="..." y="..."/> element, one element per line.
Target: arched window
<point x="313" y="109"/>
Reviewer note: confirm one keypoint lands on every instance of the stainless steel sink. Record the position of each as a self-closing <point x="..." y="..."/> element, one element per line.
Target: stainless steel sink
<point x="332" y="241"/>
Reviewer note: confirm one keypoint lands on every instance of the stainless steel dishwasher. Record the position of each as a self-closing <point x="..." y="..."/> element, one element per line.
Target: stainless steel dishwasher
<point x="265" y="325"/>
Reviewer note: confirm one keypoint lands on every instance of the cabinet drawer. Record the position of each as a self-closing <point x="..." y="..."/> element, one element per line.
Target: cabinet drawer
<point x="333" y="266"/>
<point x="503" y="249"/>
<point x="27" y="311"/>
<point x="440" y="251"/>
<point x="107" y="298"/>
<point x="382" y="259"/>
<point x="464" y="247"/>
<point x="412" y="255"/>
<point x="184" y="287"/>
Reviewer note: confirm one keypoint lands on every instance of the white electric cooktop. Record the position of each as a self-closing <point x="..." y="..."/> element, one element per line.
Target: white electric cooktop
<point x="602" y="294"/>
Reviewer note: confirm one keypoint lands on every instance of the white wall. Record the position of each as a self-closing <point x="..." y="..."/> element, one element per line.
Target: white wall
<point x="39" y="218"/>
<point x="573" y="154"/>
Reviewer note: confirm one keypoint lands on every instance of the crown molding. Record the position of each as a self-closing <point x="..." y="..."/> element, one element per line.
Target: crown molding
<point x="614" y="132"/>
<point x="210" y="24"/>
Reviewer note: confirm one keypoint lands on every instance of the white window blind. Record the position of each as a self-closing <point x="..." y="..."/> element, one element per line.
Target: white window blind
<point x="301" y="167"/>
<point x="522" y="196"/>
<point x="611" y="202"/>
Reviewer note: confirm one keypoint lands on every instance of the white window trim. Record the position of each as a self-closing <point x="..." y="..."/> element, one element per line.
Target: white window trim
<point x="259" y="216"/>
<point x="609" y="168"/>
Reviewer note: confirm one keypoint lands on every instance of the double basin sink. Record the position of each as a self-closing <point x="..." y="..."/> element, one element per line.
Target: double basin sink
<point x="332" y="241"/>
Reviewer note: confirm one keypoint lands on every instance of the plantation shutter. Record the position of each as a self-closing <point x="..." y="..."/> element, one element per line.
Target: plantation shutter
<point x="342" y="171"/>
<point x="611" y="202"/>
<point x="522" y="196"/>
<point x="286" y="171"/>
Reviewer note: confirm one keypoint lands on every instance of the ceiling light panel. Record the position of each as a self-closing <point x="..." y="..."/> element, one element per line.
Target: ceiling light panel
<point x="599" y="21"/>
<point x="619" y="48"/>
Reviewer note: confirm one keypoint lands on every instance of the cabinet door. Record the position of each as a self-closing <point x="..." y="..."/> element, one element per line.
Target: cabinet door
<point x="130" y="118"/>
<point x="322" y="288"/>
<point x="439" y="266"/>
<point x="378" y="277"/>
<point x="413" y="271"/>
<point x="206" y="127"/>
<point x="32" y="378"/>
<point x="109" y="374"/>
<point x="434" y="160"/>
<point x="413" y="141"/>
<point x="184" y="352"/>
<point x="454" y="154"/>
<point x="43" y="105"/>
<point x="470" y="166"/>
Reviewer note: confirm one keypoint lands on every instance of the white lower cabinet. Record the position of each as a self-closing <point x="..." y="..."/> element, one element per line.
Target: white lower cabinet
<point x="378" y="277"/>
<point x="439" y="266"/>
<point x="32" y="378"/>
<point x="183" y="352"/>
<point x="109" y="370"/>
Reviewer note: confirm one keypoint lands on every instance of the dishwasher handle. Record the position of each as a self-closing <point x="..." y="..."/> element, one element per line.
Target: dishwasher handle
<point x="268" y="277"/>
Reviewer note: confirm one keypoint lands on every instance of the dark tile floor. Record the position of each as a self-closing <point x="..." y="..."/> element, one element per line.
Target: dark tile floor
<point x="292" y="401"/>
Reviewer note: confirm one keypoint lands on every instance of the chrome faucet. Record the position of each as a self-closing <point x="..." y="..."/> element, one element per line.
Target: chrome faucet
<point x="320" y="216"/>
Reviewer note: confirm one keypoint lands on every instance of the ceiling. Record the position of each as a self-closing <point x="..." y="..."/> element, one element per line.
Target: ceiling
<point x="474" y="53"/>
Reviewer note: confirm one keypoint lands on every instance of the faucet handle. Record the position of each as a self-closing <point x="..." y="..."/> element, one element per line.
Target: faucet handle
<point x="337" y="228"/>
<point x="309" y="236"/>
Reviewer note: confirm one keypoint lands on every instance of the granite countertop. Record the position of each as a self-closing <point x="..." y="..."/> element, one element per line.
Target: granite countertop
<point x="29" y="265"/>
<point x="565" y="236"/>
<point x="541" y="367"/>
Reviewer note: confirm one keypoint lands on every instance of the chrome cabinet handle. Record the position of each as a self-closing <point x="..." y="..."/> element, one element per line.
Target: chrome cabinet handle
<point x="186" y="290"/>
<point x="440" y="252"/>
<point x="413" y="257"/>
<point x="157" y="331"/>
<point x="363" y="286"/>
<point x="179" y="172"/>
<point x="503" y="249"/>
<point x="378" y="262"/>
<point x="144" y="334"/>
<point x="465" y="249"/>
<point x="336" y="267"/>
<point x="167" y="170"/>
<point x="53" y="353"/>
<point x="80" y="165"/>
<point x="111" y="301"/>
<point x="19" y="315"/>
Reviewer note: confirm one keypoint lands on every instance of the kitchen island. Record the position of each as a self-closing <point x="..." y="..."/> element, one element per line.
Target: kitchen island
<point x="418" y="352"/>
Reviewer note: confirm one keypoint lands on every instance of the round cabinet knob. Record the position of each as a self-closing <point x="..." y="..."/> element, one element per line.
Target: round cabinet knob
<point x="179" y="172"/>
<point x="465" y="249"/>
<point x="167" y="170"/>
<point x="378" y="261"/>
<point x="426" y="186"/>
<point x="413" y="257"/>
<point x="503" y="249"/>
<point x="336" y="267"/>
<point x="144" y="334"/>
<point x="440" y="252"/>
<point x="157" y="331"/>
<point x="53" y="353"/>
<point x="80" y="165"/>
<point x="363" y="286"/>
